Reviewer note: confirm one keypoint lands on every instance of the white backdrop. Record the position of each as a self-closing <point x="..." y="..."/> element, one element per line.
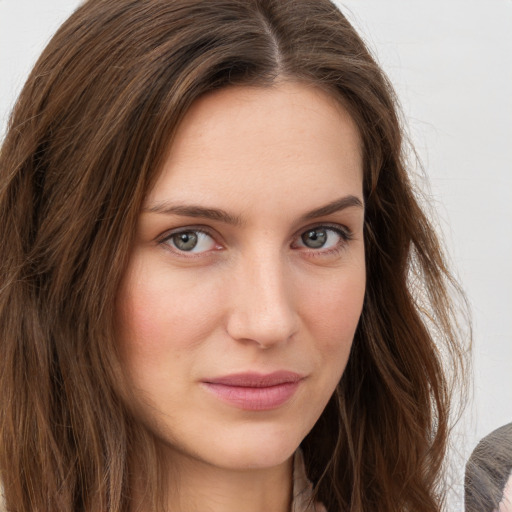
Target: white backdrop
<point x="451" y="63"/>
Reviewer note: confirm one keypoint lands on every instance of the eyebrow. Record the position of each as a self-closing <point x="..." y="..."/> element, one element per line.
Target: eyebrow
<point x="195" y="211"/>
<point x="218" y="214"/>
<point x="333" y="207"/>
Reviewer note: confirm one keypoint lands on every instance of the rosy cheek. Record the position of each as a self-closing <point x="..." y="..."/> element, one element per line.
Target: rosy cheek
<point x="335" y="309"/>
<point x="161" y="313"/>
<point x="139" y="316"/>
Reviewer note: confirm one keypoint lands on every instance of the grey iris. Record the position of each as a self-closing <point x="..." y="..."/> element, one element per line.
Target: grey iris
<point x="315" y="238"/>
<point x="185" y="241"/>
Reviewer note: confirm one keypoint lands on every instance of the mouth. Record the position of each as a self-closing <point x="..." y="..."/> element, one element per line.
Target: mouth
<point x="253" y="391"/>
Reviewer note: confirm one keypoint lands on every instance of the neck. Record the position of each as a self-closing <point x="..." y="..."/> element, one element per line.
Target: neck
<point x="196" y="486"/>
<point x="207" y="488"/>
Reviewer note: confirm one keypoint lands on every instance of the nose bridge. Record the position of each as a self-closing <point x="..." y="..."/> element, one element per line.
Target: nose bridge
<point x="262" y="308"/>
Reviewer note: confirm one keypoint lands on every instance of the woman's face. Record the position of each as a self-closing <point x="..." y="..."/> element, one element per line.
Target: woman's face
<point x="247" y="276"/>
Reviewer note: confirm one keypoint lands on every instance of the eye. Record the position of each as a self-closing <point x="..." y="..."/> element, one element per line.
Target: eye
<point x="323" y="237"/>
<point x="191" y="241"/>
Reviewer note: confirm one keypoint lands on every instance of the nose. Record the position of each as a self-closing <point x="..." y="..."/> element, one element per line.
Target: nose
<point x="262" y="303"/>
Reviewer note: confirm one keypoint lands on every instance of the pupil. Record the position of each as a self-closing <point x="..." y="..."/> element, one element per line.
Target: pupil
<point x="315" y="238"/>
<point x="185" y="241"/>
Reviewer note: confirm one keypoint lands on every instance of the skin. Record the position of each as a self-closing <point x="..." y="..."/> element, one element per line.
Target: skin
<point x="252" y="295"/>
<point x="506" y="502"/>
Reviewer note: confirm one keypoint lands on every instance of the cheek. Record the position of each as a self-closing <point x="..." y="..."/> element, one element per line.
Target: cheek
<point x="161" y="316"/>
<point x="330" y="315"/>
<point x="333" y="310"/>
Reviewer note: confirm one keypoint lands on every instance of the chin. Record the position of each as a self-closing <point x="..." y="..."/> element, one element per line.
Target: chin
<point x="257" y="455"/>
<point x="249" y="446"/>
<point x="263" y="444"/>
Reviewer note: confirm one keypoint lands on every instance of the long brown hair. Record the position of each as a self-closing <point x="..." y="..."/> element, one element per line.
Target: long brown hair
<point x="86" y="140"/>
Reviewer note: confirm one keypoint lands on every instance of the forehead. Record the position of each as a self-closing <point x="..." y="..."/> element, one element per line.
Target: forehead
<point x="249" y="143"/>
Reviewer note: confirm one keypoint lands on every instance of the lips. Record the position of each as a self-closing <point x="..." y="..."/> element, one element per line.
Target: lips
<point x="254" y="391"/>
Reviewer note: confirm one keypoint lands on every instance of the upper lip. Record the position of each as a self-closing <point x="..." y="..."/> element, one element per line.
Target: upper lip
<point x="256" y="380"/>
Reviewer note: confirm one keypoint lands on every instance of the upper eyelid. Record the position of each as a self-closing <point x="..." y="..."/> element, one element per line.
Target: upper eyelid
<point x="208" y="230"/>
<point x="171" y="232"/>
<point x="328" y="225"/>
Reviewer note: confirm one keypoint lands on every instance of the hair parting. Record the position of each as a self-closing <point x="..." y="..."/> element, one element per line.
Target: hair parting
<point x="86" y="141"/>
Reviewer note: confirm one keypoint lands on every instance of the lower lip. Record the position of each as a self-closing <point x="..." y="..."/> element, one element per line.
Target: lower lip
<point x="254" y="399"/>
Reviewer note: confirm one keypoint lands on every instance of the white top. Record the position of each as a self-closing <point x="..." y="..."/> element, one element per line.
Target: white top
<point x="302" y="488"/>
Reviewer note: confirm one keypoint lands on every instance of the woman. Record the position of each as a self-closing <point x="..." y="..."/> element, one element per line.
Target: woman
<point x="219" y="290"/>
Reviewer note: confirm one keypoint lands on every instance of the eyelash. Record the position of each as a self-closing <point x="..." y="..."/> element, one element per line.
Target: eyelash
<point x="166" y="241"/>
<point x="343" y="232"/>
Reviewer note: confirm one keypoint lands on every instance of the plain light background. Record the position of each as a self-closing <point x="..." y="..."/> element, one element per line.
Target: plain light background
<point x="451" y="64"/>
